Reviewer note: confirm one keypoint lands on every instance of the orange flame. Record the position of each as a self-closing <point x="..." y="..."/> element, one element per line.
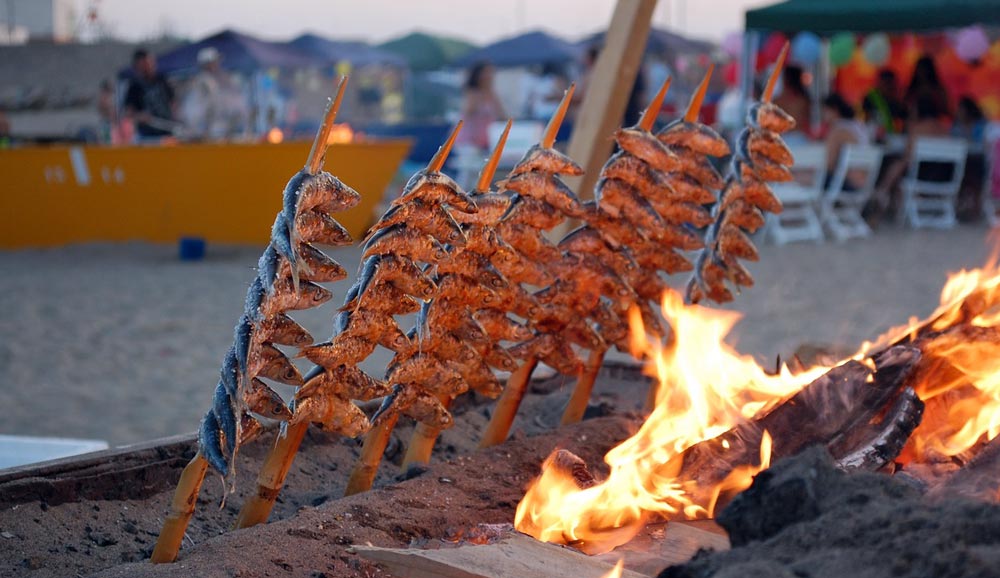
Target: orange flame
<point x="340" y="134"/>
<point x="705" y="388"/>
<point x="616" y="572"/>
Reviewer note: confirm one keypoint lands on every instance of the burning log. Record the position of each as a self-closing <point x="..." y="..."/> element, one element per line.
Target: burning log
<point x="836" y="410"/>
<point x="287" y="275"/>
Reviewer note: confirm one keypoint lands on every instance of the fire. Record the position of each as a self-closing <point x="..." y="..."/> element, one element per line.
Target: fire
<point x="960" y="381"/>
<point x="704" y="389"/>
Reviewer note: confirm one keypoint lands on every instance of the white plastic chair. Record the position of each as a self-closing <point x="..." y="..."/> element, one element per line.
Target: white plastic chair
<point x="840" y="209"/>
<point x="799" y="220"/>
<point x="932" y="203"/>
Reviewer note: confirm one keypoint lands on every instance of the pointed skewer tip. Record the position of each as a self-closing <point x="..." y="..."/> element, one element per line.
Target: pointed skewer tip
<point x="775" y="74"/>
<point x="650" y="114"/>
<point x="437" y="163"/>
<point x="699" y="97"/>
<point x="318" y="151"/>
<point x="549" y="138"/>
<point x="486" y="177"/>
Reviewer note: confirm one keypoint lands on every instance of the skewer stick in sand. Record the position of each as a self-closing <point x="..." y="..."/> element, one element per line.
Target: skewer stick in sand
<point x="506" y="408"/>
<point x="272" y="475"/>
<point x="377" y="440"/>
<point x="186" y="495"/>
<point x="418" y="451"/>
<point x="181" y="509"/>
<point x="578" y="401"/>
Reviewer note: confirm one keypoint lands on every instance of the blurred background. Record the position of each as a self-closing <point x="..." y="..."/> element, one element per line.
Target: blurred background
<point x="143" y="147"/>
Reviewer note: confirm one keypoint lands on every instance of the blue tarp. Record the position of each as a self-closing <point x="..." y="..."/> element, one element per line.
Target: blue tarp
<point x="525" y="50"/>
<point x="240" y="52"/>
<point x="356" y="52"/>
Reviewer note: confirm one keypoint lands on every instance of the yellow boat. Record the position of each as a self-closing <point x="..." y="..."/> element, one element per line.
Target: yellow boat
<point x="227" y="193"/>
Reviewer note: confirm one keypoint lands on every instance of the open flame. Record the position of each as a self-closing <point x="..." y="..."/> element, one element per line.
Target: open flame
<point x="706" y="388"/>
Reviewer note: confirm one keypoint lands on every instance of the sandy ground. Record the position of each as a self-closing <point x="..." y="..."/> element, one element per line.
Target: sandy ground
<point x="123" y="342"/>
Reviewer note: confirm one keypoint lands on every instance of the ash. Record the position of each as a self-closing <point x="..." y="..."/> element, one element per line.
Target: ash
<point x="804" y="518"/>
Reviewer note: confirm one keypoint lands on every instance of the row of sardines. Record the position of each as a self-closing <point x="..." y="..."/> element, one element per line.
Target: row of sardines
<point x="489" y="289"/>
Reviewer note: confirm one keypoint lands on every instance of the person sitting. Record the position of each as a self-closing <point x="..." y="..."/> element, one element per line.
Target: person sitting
<point x="844" y="129"/>
<point x="970" y="122"/>
<point x="926" y="83"/>
<point x="794" y="99"/>
<point x="882" y="105"/>
<point x="927" y="119"/>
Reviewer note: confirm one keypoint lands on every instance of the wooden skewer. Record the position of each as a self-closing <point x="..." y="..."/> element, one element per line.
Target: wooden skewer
<point x="186" y="494"/>
<point x="773" y="81"/>
<point x="181" y="509"/>
<point x="422" y="441"/>
<point x="508" y="404"/>
<point x="318" y="151"/>
<point x="437" y="163"/>
<point x="699" y="97"/>
<point x="577" y="405"/>
<point x="649" y="115"/>
<point x="363" y="474"/>
<point x="272" y="475"/>
<point x="552" y="129"/>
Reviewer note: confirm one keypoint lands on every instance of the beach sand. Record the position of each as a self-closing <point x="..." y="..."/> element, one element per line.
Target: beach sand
<point x="122" y="342"/>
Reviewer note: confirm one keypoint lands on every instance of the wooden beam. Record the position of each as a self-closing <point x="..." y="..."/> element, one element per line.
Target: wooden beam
<point x="608" y="90"/>
<point x="517" y="555"/>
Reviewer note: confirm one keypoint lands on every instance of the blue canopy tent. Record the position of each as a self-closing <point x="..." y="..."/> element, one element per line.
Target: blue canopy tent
<point x="525" y="50"/>
<point x="356" y="52"/>
<point x="662" y="42"/>
<point x="245" y="55"/>
<point x="240" y="52"/>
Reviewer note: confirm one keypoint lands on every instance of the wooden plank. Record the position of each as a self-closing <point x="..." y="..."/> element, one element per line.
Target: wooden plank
<point x="518" y="555"/>
<point x="662" y="545"/>
<point x="608" y="91"/>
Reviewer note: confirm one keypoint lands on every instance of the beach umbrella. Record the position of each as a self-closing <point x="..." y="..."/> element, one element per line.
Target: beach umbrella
<point x="354" y="51"/>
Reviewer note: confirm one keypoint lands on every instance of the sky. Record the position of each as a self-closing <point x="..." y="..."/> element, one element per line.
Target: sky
<point x="479" y="21"/>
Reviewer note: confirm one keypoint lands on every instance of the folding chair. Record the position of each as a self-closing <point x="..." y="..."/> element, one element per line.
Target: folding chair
<point x="799" y="220"/>
<point x="929" y="202"/>
<point x="840" y="209"/>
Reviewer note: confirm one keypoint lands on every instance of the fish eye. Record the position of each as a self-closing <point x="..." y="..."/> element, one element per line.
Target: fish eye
<point x="290" y="373"/>
<point x="497" y="282"/>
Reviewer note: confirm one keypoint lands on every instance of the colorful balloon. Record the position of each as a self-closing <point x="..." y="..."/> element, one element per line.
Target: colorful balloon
<point x="806" y="48"/>
<point x="876" y="49"/>
<point x="770" y="49"/>
<point x="971" y="43"/>
<point x="841" y="48"/>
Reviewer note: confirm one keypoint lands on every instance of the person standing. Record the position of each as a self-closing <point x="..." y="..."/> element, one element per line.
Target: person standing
<point x="149" y="99"/>
<point x="480" y="106"/>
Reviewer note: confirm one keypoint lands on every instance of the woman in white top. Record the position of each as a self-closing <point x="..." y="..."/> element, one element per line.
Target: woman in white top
<point x="844" y="129"/>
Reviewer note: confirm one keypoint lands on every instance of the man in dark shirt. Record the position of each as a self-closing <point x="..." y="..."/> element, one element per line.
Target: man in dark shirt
<point x="149" y="101"/>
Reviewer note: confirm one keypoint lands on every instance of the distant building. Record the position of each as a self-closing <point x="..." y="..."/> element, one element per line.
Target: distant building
<point x="52" y="20"/>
